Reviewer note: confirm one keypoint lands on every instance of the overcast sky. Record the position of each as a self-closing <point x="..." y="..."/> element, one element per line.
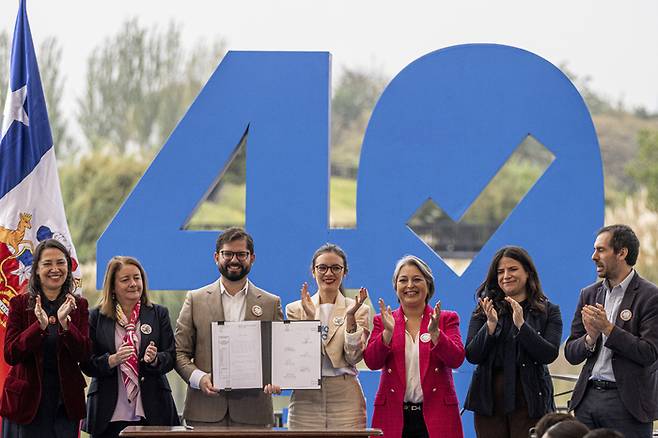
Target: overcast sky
<point x="614" y="42"/>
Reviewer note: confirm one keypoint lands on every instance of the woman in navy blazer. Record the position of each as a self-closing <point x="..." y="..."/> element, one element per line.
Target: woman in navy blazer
<point x="132" y="351"/>
<point x="513" y="335"/>
<point x="46" y="338"/>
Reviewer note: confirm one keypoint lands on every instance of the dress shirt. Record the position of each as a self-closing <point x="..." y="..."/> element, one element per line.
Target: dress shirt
<point x="603" y="366"/>
<point x="414" y="391"/>
<point x="234" y="308"/>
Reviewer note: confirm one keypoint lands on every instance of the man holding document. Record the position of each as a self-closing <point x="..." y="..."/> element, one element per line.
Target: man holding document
<point x="231" y="298"/>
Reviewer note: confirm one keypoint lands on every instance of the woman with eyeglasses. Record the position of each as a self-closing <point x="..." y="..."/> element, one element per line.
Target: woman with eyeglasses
<point x="514" y="333"/>
<point x="416" y="346"/>
<point x="340" y="403"/>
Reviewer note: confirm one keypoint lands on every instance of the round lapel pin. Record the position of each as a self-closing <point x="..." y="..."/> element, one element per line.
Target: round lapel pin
<point x="425" y="337"/>
<point x="257" y="310"/>
<point x="52" y="320"/>
<point x="146" y="329"/>
<point x="339" y="320"/>
<point x="626" y="314"/>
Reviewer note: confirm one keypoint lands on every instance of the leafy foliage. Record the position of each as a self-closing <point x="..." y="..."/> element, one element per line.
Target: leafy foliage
<point x="139" y="84"/>
<point x="644" y="168"/>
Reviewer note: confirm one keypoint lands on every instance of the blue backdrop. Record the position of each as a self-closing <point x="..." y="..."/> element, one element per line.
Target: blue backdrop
<point x="442" y="129"/>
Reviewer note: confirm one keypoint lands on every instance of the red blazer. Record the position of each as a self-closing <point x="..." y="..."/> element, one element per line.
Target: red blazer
<point x="440" y="406"/>
<point x="21" y="394"/>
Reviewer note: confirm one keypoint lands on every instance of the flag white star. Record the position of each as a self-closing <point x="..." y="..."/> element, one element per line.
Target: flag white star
<point x="23" y="272"/>
<point x="14" y="109"/>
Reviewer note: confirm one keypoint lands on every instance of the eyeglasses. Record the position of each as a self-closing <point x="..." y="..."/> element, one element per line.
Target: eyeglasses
<point x="322" y="269"/>
<point x="228" y="255"/>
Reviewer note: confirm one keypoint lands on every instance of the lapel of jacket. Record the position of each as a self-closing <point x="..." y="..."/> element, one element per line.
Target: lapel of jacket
<point x="105" y="332"/>
<point x="600" y="295"/>
<point x="147" y="319"/>
<point x="398" y="344"/>
<point x="253" y="299"/>
<point x="424" y="347"/>
<point x="215" y="306"/>
<point x="627" y="300"/>
<point x="337" y="315"/>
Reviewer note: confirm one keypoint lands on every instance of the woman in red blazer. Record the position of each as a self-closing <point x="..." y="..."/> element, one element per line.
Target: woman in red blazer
<point x="416" y="347"/>
<point x="47" y="337"/>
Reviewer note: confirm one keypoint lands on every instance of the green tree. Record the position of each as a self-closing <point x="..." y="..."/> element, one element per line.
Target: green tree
<point x="139" y="84"/>
<point x="644" y="167"/>
<point x="93" y="189"/>
<point x="352" y="104"/>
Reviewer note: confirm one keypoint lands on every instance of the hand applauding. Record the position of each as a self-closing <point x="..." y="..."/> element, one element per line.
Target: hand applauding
<point x="349" y="316"/>
<point x="387" y="320"/>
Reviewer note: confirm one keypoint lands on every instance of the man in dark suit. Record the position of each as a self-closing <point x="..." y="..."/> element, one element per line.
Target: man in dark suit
<point x="231" y="298"/>
<point x="615" y="329"/>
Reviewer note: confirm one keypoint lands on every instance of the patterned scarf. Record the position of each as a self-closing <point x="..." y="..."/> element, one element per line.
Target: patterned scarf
<point x="130" y="368"/>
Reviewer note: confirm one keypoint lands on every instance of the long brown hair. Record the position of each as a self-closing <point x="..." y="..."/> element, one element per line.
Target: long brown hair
<point x="34" y="285"/>
<point x="490" y="288"/>
<point x="107" y="302"/>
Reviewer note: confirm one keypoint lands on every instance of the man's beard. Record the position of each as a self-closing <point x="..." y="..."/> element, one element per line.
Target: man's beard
<point x="234" y="276"/>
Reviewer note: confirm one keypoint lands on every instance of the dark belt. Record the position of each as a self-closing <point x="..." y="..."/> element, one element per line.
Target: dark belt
<point x="602" y="384"/>
<point x="412" y="406"/>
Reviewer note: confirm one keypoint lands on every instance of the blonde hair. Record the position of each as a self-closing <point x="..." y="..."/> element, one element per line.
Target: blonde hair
<point x="107" y="302"/>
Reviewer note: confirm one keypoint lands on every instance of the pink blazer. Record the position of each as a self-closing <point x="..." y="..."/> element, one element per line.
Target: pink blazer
<point x="440" y="405"/>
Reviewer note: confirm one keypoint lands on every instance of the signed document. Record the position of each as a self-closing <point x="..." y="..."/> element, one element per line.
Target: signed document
<point x="296" y="355"/>
<point x="236" y="355"/>
<point x="251" y="354"/>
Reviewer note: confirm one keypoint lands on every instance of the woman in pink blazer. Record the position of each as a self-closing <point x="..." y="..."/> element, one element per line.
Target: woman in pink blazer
<point x="416" y="347"/>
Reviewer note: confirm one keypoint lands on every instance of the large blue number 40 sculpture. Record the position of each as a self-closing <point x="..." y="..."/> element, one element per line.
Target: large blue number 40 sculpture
<point x="441" y="130"/>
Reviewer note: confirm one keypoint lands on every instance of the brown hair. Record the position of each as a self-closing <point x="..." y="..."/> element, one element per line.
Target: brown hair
<point x="34" y="284"/>
<point x="107" y="302"/>
<point x="335" y="249"/>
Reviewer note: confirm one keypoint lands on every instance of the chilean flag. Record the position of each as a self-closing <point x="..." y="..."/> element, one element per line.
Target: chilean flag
<point x="31" y="207"/>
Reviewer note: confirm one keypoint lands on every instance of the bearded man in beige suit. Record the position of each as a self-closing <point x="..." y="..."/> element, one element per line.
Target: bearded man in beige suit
<point x="231" y="298"/>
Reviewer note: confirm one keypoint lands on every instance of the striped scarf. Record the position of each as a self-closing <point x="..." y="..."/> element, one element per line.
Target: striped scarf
<point x="130" y="368"/>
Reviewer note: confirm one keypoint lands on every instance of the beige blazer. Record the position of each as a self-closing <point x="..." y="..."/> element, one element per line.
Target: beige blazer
<point x="335" y="347"/>
<point x="193" y="351"/>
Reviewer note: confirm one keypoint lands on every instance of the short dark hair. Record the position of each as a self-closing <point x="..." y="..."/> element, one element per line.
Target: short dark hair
<point x="549" y="420"/>
<point x="604" y="432"/>
<point x="622" y="236"/>
<point x="567" y="429"/>
<point x="231" y="235"/>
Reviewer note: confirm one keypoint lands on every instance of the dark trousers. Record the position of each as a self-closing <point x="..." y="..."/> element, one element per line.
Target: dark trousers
<point x="516" y="424"/>
<point x="414" y="423"/>
<point x="604" y="408"/>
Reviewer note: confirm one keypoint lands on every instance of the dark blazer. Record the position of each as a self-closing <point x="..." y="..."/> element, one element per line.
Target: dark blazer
<point x="537" y="344"/>
<point x="23" y="350"/>
<point x="158" y="403"/>
<point x="634" y="345"/>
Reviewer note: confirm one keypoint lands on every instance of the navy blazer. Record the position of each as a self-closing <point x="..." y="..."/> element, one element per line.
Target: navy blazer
<point x="537" y="345"/>
<point x="157" y="400"/>
<point x="634" y="345"/>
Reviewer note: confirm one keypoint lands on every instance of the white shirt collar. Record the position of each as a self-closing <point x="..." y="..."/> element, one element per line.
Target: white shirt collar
<point x="242" y="291"/>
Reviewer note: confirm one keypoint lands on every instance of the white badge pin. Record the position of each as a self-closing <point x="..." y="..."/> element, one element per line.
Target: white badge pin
<point x="339" y="320"/>
<point x="146" y="329"/>
<point x="626" y="314"/>
<point x="425" y="337"/>
<point x="257" y="310"/>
